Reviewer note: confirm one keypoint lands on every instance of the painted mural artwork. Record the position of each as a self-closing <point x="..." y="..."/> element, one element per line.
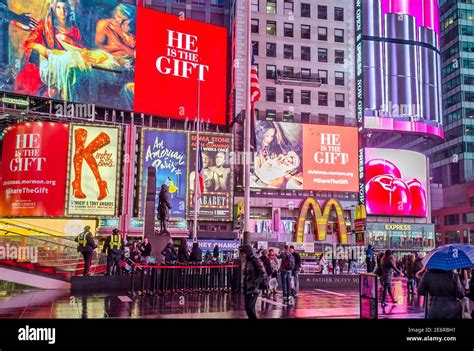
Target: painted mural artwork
<point x="72" y="50"/>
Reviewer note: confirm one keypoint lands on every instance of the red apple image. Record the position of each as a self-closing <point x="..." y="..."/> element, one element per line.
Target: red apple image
<point x="379" y="166"/>
<point x="386" y="194"/>
<point x="418" y="198"/>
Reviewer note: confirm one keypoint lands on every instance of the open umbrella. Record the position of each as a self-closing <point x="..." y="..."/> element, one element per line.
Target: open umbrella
<point x="449" y="257"/>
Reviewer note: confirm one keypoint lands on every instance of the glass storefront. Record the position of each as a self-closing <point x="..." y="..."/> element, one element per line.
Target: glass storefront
<point x="401" y="236"/>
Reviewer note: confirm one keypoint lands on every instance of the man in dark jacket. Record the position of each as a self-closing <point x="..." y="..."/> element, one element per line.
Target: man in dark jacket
<point x="369" y="254"/>
<point x="445" y="294"/>
<point x="196" y="253"/>
<point x="286" y="268"/>
<point x="86" y="247"/>
<point x="253" y="273"/>
<point x="268" y="268"/>
<point x="145" y="250"/>
<point x="113" y="247"/>
<point x="296" y="270"/>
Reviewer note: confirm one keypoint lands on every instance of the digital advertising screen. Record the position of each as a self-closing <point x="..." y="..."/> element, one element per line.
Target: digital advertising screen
<point x="396" y="183"/>
<point x="167" y="152"/>
<point x="34" y="163"/>
<point x="112" y="54"/>
<point x="94" y="163"/>
<point x="305" y="157"/>
<point x="398" y="66"/>
<point x="217" y="199"/>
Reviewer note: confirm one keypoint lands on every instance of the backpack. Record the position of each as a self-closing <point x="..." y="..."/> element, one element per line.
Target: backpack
<point x="289" y="262"/>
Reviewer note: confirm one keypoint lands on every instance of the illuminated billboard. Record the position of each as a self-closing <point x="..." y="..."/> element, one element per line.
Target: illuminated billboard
<point x="167" y="152"/>
<point x="113" y="54"/>
<point x="305" y="157"/>
<point x="398" y="66"/>
<point x="216" y="201"/>
<point x="94" y="161"/>
<point x="396" y="183"/>
<point x="34" y="162"/>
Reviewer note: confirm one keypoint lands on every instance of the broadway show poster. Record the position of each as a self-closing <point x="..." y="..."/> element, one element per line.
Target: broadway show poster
<point x="34" y="164"/>
<point x="216" y="201"/>
<point x="73" y="50"/>
<point x="166" y="151"/>
<point x="93" y="166"/>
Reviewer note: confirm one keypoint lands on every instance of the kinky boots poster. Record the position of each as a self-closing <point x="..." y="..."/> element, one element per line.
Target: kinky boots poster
<point x="93" y="165"/>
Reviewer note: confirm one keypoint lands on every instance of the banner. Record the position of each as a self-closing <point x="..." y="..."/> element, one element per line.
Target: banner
<point x="93" y="171"/>
<point x="166" y="151"/>
<point x="34" y="163"/>
<point x="216" y="201"/>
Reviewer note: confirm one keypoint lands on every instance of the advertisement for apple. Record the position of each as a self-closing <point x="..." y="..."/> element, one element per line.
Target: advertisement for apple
<point x="116" y="55"/>
<point x="396" y="183"/>
<point x="309" y="157"/>
<point x="399" y="59"/>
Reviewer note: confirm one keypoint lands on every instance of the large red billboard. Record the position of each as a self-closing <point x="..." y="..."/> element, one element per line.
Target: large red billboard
<point x="174" y="54"/>
<point x="34" y="161"/>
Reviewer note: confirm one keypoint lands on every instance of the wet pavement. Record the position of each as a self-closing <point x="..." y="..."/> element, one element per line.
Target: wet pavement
<point x="315" y="303"/>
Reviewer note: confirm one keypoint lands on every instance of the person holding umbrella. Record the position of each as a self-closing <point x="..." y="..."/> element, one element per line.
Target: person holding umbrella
<point x="442" y="284"/>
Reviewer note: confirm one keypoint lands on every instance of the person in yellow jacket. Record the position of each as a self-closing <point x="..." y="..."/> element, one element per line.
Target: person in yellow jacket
<point x="114" y="248"/>
<point x="86" y="246"/>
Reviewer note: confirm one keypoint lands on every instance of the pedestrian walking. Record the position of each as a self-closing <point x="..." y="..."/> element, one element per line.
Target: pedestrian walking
<point x="268" y="269"/>
<point x="253" y="273"/>
<point x="369" y="253"/>
<point x="275" y="265"/>
<point x="287" y="266"/>
<point x="296" y="270"/>
<point x="388" y="268"/>
<point x="113" y="247"/>
<point x="410" y="274"/>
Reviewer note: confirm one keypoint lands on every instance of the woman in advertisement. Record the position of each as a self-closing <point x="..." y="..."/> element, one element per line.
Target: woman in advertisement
<point x="277" y="165"/>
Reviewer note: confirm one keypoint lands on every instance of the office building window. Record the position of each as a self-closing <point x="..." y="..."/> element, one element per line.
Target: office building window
<point x="305" y="31"/>
<point x="288" y="51"/>
<point x="322" y="55"/>
<point x="306" y="73"/>
<point x="323" y="118"/>
<point x="271" y="71"/>
<point x="305" y="97"/>
<point x="199" y="2"/>
<point x="271" y="28"/>
<point x="340" y="100"/>
<point x="306" y="53"/>
<point x="254" y="25"/>
<point x="305" y="117"/>
<point x="271" y="49"/>
<point x="271" y="6"/>
<point x="305" y="10"/>
<point x="322" y="33"/>
<point x="255" y="5"/>
<point x="288" y="116"/>
<point x="322" y="12"/>
<point x="339" y="14"/>
<point x="340" y="120"/>
<point x="288" y="96"/>
<point x="270" y="115"/>
<point x="322" y="99"/>
<point x="217" y="3"/>
<point x="339" y="78"/>
<point x="339" y="56"/>
<point x="339" y="35"/>
<point x="271" y="94"/>
<point x="323" y="76"/>
<point x="288" y="30"/>
<point x="288" y="7"/>
<point x="288" y="71"/>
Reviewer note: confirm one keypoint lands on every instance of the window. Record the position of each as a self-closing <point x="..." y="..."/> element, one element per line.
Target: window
<point x="452" y="219"/>
<point x="340" y="120"/>
<point x="322" y="55"/>
<point x="288" y="116"/>
<point x="323" y="75"/>
<point x="270" y="115"/>
<point x="306" y="53"/>
<point x="471" y="201"/>
<point x="288" y="96"/>
<point x="288" y="30"/>
<point x="305" y="31"/>
<point x="322" y="99"/>
<point x="288" y="71"/>
<point x="271" y="50"/>
<point x="339" y="35"/>
<point x="339" y="78"/>
<point x="322" y="33"/>
<point x="271" y="71"/>
<point x="340" y="100"/>
<point x="323" y="118"/>
<point x="254" y="25"/>
<point x="305" y="10"/>
<point x="306" y="73"/>
<point x="322" y="12"/>
<point x="271" y="6"/>
<point x="255" y="47"/>
<point x="305" y="117"/>
<point x="288" y="51"/>
<point x="217" y="3"/>
<point x="271" y="94"/>
<point x="339" y="56"/>
<point x="271" y="28"/>
<point x="468" y="217"/>
<point x="255" y="5"/>
<point x="305" y="97"/>
<point x="199" y="2"/>
<point x="339" y="14"/>
<point x="288" y="7"/>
